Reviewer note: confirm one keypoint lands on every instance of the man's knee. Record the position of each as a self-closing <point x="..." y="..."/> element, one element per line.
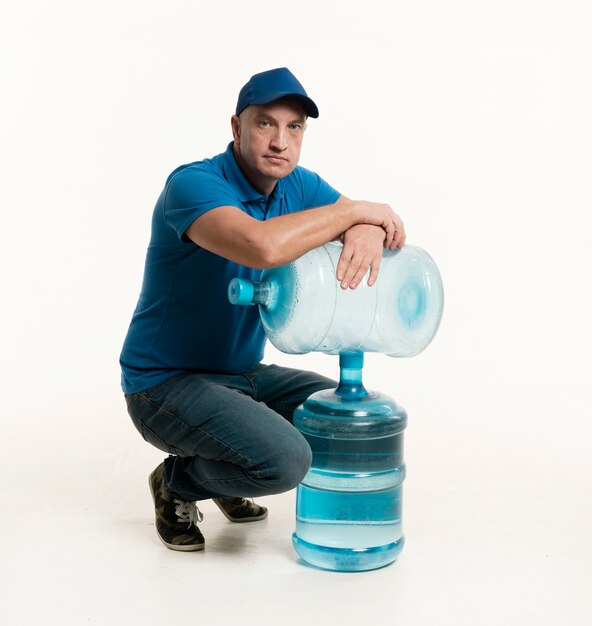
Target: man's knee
<point x="290" y="463"/>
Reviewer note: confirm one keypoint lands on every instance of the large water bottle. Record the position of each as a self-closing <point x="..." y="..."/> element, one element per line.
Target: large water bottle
<point x="348" y="507"/>
<point x="304" y="309"/>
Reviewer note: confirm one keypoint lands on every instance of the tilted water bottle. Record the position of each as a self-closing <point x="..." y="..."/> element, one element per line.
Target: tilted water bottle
<point x="304" y="309"/>
<point x="348" y="507"/>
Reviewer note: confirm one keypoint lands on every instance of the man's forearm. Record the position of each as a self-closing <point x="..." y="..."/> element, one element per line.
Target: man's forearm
<point x="290" y="236"/>
<point x="231" y="233"/>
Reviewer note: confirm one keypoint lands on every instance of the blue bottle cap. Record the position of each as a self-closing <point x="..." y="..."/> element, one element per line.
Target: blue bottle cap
<point x="240" y="291"/>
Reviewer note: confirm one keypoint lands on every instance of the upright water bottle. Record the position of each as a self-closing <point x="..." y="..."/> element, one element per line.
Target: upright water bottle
<point x="304" y="309"/>
<point x="348" y="507"/>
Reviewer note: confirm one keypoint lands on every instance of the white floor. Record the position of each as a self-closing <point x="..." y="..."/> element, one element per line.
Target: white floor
<point x="497" y="522"/>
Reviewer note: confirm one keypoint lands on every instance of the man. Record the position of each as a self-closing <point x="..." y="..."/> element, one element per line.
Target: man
<point x="191" y="363"/>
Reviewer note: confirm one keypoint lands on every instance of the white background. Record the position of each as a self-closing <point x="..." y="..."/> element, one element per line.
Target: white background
<point x="473" y="120"/>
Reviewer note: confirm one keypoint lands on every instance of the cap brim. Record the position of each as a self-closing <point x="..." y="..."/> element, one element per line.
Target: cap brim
<point x="309" y="106"/>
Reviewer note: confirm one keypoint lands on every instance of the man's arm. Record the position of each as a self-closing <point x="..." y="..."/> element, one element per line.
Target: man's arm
<point x="231" y="233"/>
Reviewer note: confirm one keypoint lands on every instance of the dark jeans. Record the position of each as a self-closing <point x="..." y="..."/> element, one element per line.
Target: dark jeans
<point x="228" y="435"/>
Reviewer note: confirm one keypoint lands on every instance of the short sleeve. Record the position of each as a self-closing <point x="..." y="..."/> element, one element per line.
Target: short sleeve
<point x="192" y="192"/>
<point x="315" y="191"/>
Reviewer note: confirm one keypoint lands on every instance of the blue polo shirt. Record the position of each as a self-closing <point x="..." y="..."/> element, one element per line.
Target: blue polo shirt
<point x="183" y="320"/>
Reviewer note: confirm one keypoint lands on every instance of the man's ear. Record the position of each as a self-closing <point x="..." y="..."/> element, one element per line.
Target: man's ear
<point x="235" y="123"/>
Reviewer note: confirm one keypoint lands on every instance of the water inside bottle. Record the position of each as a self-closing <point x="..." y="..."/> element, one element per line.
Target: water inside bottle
<point x="350" y="531"/>
<point x="351" y="520"/>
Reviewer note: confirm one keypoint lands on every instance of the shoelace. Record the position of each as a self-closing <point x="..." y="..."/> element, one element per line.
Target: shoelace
<point x="238" y="501"/>
<point x="188" y="512"/>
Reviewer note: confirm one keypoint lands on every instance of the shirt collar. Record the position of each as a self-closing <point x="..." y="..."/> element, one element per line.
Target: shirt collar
<point x="234" y="175"/>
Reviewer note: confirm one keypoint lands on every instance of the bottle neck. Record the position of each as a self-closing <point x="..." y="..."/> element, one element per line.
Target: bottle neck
<point x="350" y="378"/>
<point x="261" y="292"/>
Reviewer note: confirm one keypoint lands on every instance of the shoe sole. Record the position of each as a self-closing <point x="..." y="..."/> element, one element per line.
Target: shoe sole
<point x="239" y="520"/>
<point x="171" y="546"/>
<point x="191" y="548"/>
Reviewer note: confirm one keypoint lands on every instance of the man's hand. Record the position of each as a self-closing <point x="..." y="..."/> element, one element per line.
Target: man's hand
<point x="380" y="215"/>
<point x="362" y="250"/>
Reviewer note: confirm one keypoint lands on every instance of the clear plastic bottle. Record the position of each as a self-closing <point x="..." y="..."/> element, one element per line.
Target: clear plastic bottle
<point x="304" y="309"/>
<point x="348" y="507"/>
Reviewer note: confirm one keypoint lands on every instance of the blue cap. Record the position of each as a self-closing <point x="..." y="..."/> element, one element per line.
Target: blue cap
<point x="240" y="291"/>
<point x="266" y="87"/>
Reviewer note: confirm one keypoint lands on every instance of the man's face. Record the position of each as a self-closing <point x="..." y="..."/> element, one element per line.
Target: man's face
<point x="268" y="140"/>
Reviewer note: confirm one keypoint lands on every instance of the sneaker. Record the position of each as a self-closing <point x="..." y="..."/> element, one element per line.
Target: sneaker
<point x="175" y="518"/>
<point x="241" y="509"/>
